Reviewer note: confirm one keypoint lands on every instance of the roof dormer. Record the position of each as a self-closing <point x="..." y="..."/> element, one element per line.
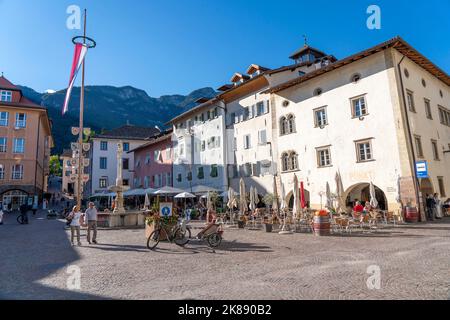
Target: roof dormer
<point x="255" y="70"/>
<point x="239" y="78"/>
<point x="225" y="87"/>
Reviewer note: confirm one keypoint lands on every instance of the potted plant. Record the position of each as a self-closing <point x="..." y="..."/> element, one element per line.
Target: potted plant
<point x="242" y="221"/>
<point x="268" y="223"/>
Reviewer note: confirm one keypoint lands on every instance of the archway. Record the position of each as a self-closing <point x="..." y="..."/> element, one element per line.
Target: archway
<point x="290" y="199"/>
<point x="361" y="192"/>
<point x="426" y="187"/>
<point x="13" y="199"/>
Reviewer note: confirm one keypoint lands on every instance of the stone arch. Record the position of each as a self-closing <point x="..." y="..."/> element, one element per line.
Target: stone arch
<point x="361" y="191"/>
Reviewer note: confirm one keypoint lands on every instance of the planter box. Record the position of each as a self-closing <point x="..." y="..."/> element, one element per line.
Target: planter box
<point x="269" y="227"/>
<point x="150" y="228"/>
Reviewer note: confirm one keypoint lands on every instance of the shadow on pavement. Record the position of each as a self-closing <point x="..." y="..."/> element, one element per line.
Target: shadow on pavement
<point x="34" y="252"/>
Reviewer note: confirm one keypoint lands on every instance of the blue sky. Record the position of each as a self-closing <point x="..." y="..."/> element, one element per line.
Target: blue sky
<point x="167" y="47"/>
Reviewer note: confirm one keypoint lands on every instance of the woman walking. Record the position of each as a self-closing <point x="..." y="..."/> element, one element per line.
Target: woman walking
<point x="75" y="217"/>
<point x="438" y="206"/>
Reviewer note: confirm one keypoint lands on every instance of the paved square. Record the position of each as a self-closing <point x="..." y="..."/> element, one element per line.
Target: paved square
<point x="414" y="261"/>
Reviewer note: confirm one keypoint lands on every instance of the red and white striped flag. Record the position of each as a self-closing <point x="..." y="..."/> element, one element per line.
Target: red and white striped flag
<point x="78" y="58"/>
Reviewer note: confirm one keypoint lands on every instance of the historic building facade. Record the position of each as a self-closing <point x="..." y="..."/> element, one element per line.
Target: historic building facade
<point x="25" y="143"/>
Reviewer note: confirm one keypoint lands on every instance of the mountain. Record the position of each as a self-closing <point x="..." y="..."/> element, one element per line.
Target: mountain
<point x="108" y="107"/>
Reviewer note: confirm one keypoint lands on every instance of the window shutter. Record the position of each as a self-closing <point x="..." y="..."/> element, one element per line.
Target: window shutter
<point x="256" y="168"/>
<point x="266" y="106"/>
<point x="251" y="112"/>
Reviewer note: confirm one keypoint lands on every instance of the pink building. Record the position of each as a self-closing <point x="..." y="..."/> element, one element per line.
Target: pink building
<point x="153" y="163"/>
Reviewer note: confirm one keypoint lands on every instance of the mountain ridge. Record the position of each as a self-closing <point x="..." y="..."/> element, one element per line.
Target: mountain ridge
<point x="108" y="107"/>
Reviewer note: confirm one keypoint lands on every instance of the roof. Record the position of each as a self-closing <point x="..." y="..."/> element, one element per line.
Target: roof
<point x="398" y="43"/>
<point x="6" y="84"/>
<point x="238" y="76"/>
<point x="202" y="99"/>
<point x="194" y="110"/>
<point x="67" y="153"/>
<point x="129" y="132"/>
<point x="255" y="67"/>
<point x="166" y="136"/>
<point x="299" y="52"/>
<point x="225" y="87"/>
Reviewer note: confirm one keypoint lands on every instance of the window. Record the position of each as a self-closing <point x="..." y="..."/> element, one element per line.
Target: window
<point x="441" y="186"/>
<point x="4" y="115"/>
<point x="103" y="145"/>
<point x="434" y="146"/>
<point x="323" y="157"/>
<point x="424" y="83"/>
<point x="126" y="146"/>
<point x="126" y="182"/>
<point x="6" y="96"/>
<point x="103" y="163"/>
<point x="19" y="145"/>
<point x="214" y="171"/>
<point x="234" y="144"/>
<point x="283" y="126"/>
<point x="156" y="155"/>
<point x="103" y="182"/>
<point x="285" y="103"/>
<point x="428" y="109"/>
<point x="320" y="117"/>
<point x="2" y="172"/>
<point x="147" y="158"/>
<point x="410" y="101"/>
<point x="364" y="151"/>
<point x="200" y="173"/>
<point x="291" y="123"/>
<point x="247" y="169"/>
<point x="189" y="176"/>
<point x="246" y="113"/>
<point x="17" y="172"/>
<point x="21" y="120"/>
<point x="356" y="77"/>
<point x="181" y="149"/>
<point x="419" y="148"/>
<point x="289" y="161"/>
<point x="168" y="153"/>
<point x="3" y="142"/>
<point x="137" y="162"/>
<point x="406" y="72"/>
<point x="232" y="118"/>
<point x="203" y="145"/>
<point x="168" y="179"/>
<point x="126" y="164"/>
<point x="179" y="177"/>
<point x="247" y="141"/>
<point x="262" y="137"/>
<point x="260" y="110"/>
<point x="441" y="93"/>
<point x="359" y="108"/>
<point x="444" y="116"/>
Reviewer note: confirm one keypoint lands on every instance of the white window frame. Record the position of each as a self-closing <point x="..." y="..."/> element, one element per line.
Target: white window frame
<point x="262" y="134"/>
<point x="358" y="107"/>
<point x="323" y="120"/>
<point x="2" y="172"/>
<point x="247" y="141"/>
<point x="435" y="149"/>
<point x="366" y="150"/>
<point x="21" y="123"/>
<point x="4" y="145"/>
<point x="103" y="143"/>
<point x="428" y="112"/>
<point x="100" y="184"/>
<point x="6" y="96"/>
<point x="410" y="100"/>
<point x="100" y="163"/>
<point x="19" y="148"/>
<point x="324" y="157"/>
<point x="4" y="118"/>
<point x="17" y="175"/>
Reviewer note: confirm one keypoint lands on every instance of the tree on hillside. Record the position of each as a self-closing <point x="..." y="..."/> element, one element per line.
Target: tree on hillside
<point x="55" y="166"/>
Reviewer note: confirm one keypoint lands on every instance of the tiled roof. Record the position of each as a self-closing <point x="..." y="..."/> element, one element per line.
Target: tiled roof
<point x="166" y="136"/>
<point x="6" y="84"/>
<point x="129" y="132"/>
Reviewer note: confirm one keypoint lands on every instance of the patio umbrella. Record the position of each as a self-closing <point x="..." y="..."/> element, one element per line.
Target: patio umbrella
<point x="339" y="193"/>
<point x="208" y="201"/>
<point x="329" y="202"/>
<point x="283" y="200"/>
<point x="147" y="201"/>
<point x="252" y="200"/>
<point x="302" y="195"/>
<point x="256" y="199"/>
<point x="242" y="199"/>
<point x="230" y="198"/>
<point x="296" y="210"/>
<point x="184" y="195"/>
<point x="373" y="197"/>
<point x="275" y="194"/>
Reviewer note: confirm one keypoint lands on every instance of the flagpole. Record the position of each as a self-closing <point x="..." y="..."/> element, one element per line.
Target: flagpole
<point x="80" y="138"/>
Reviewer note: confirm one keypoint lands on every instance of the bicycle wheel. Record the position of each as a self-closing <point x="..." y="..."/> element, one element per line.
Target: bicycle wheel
<point x="153" y="239"/>
<point x="20" y="219"/>
<point x="180" y="238"/>
<point x="214" y="240"/>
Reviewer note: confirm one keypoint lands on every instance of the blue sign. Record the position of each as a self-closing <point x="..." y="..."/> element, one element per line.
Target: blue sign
<point x="422" y="169"/>
<point x="166" y="209"/>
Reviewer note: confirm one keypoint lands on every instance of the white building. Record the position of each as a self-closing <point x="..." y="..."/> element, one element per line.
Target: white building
<point x="199" y="148"/>
<point x="103" y="156"/>
<point x="370" y="116"/>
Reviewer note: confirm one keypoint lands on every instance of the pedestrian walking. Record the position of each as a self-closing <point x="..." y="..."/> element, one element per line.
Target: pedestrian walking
<point x="438" y="206"/>
<point x="1" y="214"/>
<point x="91" y="217"/>
<point x="75" y="217"/>
<point x="24" y="212"/>
<point x="430" y="204"/>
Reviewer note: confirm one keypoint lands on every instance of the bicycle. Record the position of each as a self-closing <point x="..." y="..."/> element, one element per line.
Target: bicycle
<point x="175" y="235"/>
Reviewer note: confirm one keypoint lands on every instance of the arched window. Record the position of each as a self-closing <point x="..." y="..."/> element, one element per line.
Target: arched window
<point x="285" y="161"/>
<point x="283" y="126"/>
<point x="293" y="161"/>
<point x="291" y="124"/>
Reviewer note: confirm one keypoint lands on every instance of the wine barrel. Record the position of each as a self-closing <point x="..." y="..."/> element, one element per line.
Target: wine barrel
<point x="322" y="226"/>
<point x="411" y="215"/>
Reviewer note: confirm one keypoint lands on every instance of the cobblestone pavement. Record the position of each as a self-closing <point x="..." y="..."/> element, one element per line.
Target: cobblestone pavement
<point x="414" y="261"/>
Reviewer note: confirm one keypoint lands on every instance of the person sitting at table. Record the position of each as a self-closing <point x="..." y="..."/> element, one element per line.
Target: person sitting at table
<point x="367" y="208"/>
<point x="358" y="207"/>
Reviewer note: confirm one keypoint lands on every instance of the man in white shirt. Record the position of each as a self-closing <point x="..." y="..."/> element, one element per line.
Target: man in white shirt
<point x="91" y="217"/>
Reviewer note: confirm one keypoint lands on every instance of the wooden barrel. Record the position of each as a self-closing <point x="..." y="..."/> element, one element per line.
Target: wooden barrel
<point x="411" y="215"/>
<point x="322" y="226"/>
